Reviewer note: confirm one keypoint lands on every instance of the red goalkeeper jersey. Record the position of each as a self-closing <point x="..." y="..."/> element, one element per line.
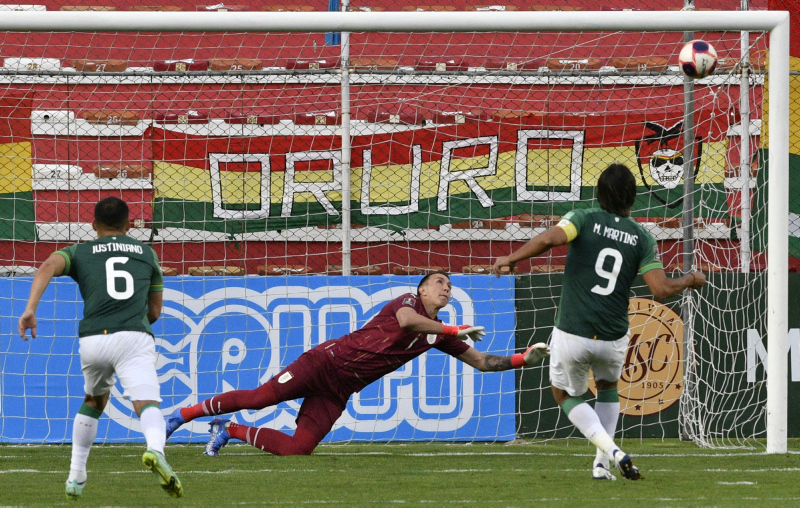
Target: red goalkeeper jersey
<point x="381" y="346"/>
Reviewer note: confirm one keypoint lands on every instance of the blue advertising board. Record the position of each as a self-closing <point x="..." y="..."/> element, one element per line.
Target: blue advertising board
<point x="223" y="333"/>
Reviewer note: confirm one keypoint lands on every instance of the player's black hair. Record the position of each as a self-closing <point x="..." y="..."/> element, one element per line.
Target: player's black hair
<point x="111" y="212"/>
<point x="428" y="276"/>
<point x="616" y="190"/>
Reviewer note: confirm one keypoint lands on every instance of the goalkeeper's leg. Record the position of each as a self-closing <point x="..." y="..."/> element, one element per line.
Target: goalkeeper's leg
<point x="315" y="419"/>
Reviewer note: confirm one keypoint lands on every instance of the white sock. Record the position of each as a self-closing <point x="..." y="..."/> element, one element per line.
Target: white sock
<point x="586" y="420"/>
<point x="608" y="413"/>
<point x="154" y="428"/>
<point x="84" y="430"/>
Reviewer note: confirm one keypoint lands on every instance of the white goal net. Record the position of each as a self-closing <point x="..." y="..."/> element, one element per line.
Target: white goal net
<point x="291" y="187"/>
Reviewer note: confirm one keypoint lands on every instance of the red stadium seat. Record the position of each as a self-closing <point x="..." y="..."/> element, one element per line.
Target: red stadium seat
<point x="111" y="117"/>
<point x="641" y="64"/>
<point x="216" y="270"/>
<point x="283" y="270"/>
<point x="186" y="117"/>
<point x="253" y="117"/>
<point x="319" y="118"/>
<point x="418" y="270"/>
<point x="313" y="64"/>
<point x="120" y="170"/>
<point x="440" y="64"/>
<point x="486" y="269"/>
<point x="186" y="65"/>
<point x="456" y="116"/>
<point x="234" y="64"/>
<point x="111" y="65"/>
<point x="573" y="64"/>
<point x="355" y="270"/>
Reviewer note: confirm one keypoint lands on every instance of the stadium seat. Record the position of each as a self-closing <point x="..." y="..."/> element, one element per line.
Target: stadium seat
<point x="481" y="224"/>
<point x="17" y="271"/>
<point x="573" y="64"/>
<point x="186" y="117"/>
<point x="485" y="269"/>
<point x="456" y="116"/>
<point x="168" y="271"/>
<point x="428" y="8"/>
<point x="527" y="220"/>
<point x="87" y="8"/>
<point x="313" y="64"/>
<point x="440" y="64"/>
<point x="186" y="65"/>
<point x="252" y="117"/>
<point x="365" y="8"/>
<point x="288" y="8"/>
<point x="22" y="7"/>
<point x="234" y="64"/>
<point x="222" y="7"/>
<point x="318" y="118"/>
<point x="355" y="270"/>
<point x="511" y="115"/>
<point x="500" y="8"/>
<point x="373" y="64"/>
<point x="283" y="270"/>
<point x="173" y="8"/>
<point x="640" y="64"/>
<point x="120" y="170"/>
<point x="216" y="270"/>
<point x="111" y="117"/>
<point x="418" y="270"/>
<point x="32" y="64"/>
<point x="547" y="268"/>
<point x="555" y="8"/>
<point x="111" y="65"/>
<point x="513" y="64"/>
<point x="393" y="115"/>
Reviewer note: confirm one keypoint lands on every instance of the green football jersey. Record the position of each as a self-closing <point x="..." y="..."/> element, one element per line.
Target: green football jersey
<point x="115" y="275"/>
<point x="604" y="256"/>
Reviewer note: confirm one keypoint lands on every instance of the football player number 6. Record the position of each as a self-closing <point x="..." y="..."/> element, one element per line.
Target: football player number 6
<point x="611" y="276"/>
<point x="112" y="274"/>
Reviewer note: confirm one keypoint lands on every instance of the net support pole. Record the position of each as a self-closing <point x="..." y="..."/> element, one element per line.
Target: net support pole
<point x="778" y="240"/>
<point x="346" y="149"/>
<point x="744" y="151"/>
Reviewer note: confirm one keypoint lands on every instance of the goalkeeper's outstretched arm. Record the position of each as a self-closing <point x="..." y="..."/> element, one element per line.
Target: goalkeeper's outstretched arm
<point x="486" y="362"/>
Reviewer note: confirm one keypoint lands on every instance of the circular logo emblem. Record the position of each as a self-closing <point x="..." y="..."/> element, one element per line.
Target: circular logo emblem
<point x="652" y="375"/>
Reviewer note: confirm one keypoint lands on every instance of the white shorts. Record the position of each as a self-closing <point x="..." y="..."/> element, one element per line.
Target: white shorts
<point x="571" y="357"/>
<point x="131" y="355"/>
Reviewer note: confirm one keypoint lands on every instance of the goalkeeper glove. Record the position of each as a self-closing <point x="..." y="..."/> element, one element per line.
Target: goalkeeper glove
<point x="532" y="355"/>
<point x="464" y="332"/>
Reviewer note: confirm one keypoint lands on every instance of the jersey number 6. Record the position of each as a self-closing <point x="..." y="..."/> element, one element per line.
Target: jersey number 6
<point x="611" y="276"/>
<point x="112" y="274"/>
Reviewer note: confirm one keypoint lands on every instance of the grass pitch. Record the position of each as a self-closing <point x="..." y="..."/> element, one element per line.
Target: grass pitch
<point x="555" y="473"/>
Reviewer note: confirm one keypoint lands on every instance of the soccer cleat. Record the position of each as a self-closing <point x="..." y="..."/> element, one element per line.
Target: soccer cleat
<point x="219" y="437"/>
<point x="625" y="465"/>
<point x="601" y="472"/>
<point x="155" y="462"/>
<point x="74" y="490"/>
<point x="174" y="421"/>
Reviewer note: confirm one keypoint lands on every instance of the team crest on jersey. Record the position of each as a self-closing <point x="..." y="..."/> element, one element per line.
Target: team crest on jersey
<point x="431" y="338"/>
<point x="285" y="377"/>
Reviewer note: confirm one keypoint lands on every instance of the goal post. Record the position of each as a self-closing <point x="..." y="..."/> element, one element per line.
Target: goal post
<point x="472" y="144"/>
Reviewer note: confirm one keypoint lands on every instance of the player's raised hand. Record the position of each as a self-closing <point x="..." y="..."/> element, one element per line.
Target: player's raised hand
<point x="465" y="332"/>
<point x="503" y="266"/>
<point x="536" y="353"/>
<point x="27" y="320"/>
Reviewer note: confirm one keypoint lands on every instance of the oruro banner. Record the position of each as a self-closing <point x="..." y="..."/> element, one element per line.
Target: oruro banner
<point x="421" y="176"/>
<point x="220" y="334"/>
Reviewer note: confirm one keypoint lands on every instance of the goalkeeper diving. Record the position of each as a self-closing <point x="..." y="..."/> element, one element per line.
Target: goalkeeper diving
<point x="327" y="375"/>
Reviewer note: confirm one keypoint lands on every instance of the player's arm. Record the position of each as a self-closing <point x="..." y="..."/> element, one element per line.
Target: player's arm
<point x="410" y="321"/>
<point x="536" y="246"/>
<point x="485" y="362"/>
<point x="666" y="287"/>
<point x="52" y="267"/>
<point x="155" y="300"/>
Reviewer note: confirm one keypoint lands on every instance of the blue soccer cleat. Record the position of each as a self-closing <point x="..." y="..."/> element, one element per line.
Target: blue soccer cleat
<point x="625" y="465"/>
<point x="74" y="490"/>
<point x="219" y="437"/>
<point x="174" y="422"/>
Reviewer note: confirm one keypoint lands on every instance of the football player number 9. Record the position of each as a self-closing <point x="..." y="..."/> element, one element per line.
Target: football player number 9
<point x="611" y="277"/>
<point x="112" y="274"/>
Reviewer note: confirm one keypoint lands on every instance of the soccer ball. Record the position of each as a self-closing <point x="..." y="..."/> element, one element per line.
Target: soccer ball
<point x="697" y="59"/>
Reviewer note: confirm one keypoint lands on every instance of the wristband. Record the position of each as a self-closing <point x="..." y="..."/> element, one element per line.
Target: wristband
<point x="450" y="330"/>
<point x="518" y="360"/>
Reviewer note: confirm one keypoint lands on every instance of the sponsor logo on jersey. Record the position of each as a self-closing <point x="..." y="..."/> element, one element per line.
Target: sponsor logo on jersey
<point x="652" y="375"/>
<point x="409" y="301"/>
